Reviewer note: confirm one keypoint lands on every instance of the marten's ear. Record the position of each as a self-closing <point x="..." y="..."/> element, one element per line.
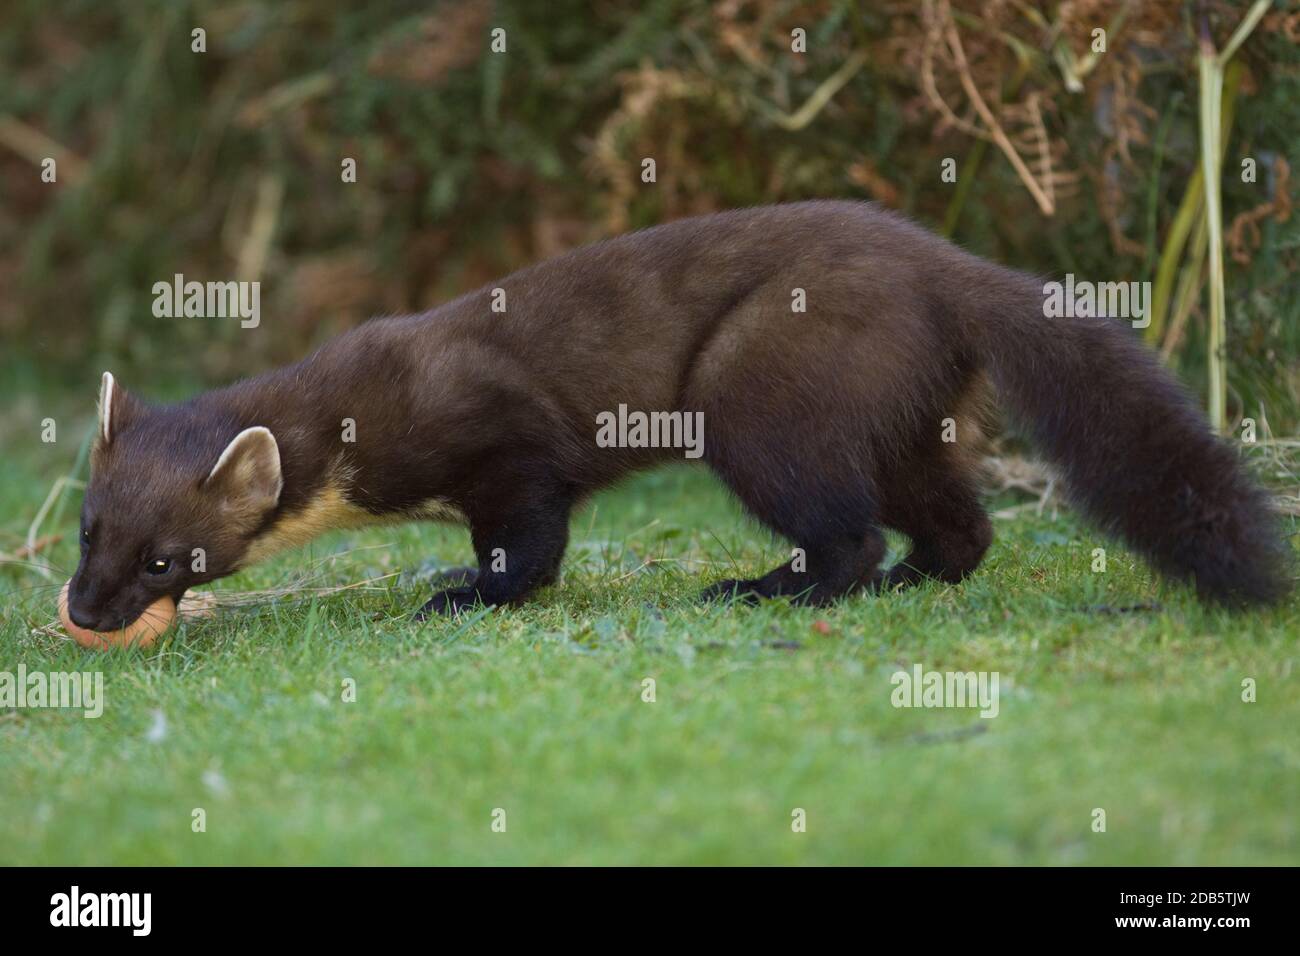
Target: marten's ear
<point x="247" y="474"/>
<point x="116" y="408"/>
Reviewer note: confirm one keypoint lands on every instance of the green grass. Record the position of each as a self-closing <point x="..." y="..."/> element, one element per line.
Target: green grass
<point x="538" y="711"/>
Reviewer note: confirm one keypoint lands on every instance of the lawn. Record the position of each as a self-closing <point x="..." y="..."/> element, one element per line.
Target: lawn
<point x="1116" y="693"/>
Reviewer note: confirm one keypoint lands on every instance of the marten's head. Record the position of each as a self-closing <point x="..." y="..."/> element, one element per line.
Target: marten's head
<point x="176" y="496"/>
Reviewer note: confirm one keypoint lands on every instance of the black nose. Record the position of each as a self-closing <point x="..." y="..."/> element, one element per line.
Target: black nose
<point x="81" y="618"/>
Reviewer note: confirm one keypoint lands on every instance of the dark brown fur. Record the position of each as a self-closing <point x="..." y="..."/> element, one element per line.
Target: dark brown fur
<point x="826" y="424"/>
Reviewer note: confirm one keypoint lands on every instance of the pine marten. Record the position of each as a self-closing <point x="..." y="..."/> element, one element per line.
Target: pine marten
<point x="827" y="422"/>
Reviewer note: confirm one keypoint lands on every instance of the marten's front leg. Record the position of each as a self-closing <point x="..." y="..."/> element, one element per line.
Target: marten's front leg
<point x="519" y="549"/>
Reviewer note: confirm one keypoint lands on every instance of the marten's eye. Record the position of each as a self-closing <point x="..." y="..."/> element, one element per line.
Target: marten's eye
<point x="85" y="536"/>
<point x="158" y="565"/>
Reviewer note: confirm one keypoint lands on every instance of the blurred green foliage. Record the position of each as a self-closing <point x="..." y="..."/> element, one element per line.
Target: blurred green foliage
<point x="227" y="163"/>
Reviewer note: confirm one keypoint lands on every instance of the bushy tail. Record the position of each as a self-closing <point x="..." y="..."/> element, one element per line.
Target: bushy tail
<point x="1137" y="455"/>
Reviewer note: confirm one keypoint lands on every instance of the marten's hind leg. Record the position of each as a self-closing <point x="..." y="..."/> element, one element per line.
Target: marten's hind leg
<point x="941" y="513"/>
<point x="839" y="546"/>
<point x="827" y="570"/>
<point x="930" y="494"/>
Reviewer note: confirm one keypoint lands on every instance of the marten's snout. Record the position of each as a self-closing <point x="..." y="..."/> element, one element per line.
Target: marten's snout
<point x="94" y="607"/>
<point x="82" y="618"/>
<point x="84" y="608"/>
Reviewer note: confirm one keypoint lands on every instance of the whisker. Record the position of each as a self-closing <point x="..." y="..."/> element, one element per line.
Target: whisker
<point x="49" y="585"/>
<point x="297" y="594"/>
<point x="33" y="565"/>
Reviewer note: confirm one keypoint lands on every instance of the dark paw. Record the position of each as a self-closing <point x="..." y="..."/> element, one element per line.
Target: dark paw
<point x="449" y="603"/>
<point x="730" y="591"/>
